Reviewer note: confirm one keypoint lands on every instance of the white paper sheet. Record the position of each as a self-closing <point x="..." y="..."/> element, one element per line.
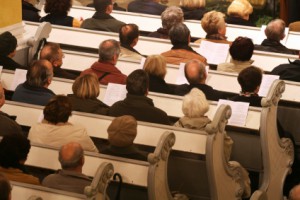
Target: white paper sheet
<point x="266" y="83"/>
<point x="114" y="92"/>
<point x="142" y="63"/>
<point x="19" y="77"/>
<point x="215" y="53"/>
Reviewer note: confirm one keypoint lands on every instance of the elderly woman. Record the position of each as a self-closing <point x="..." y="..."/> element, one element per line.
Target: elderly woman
<point x="58" y="13"/>
<point x="85" y="92"/>
<point x="156" y="68"/>
<point x="193" y="9"/>
<point x="55" y="130"/>
<point x="171" y="16"/>
<point x="213" y="23"/>
<point x="238" y="13"/>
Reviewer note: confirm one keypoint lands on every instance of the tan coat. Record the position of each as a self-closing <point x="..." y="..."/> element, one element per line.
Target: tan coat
<point x="17" y="175"/>
<point x="126" y="53"/>
<point x="234" y="66"/>
<point x="177" y="56"/>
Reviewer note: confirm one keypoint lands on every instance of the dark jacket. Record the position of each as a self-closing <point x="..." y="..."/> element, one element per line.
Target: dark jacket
<point x="33" y="95"/>
<point x="8" y="125"/>
<point x="106" y="73"/>
<point x="254" y="100"/>
<point x="275" y="46"/>
<point x="157" y="84"/>
<point x="61" y="73"/>
<point x="160" y="33"/>
<point x="62" y="20"/>
<point x="195" y="14"/>
<point x="146" y="7"/>
<point x="289" y="71"/>
<point x="238" y="21"/>
<point x="88" y="105"/>
<point x="210" y="93"/>
<point x="141" y="108"/>
<point x="102" y="22"/>
<point x="29" y="12"/>
<point x="9" y="63"/>
<point x="116" y="6"/>
<point x="131" y="152"/>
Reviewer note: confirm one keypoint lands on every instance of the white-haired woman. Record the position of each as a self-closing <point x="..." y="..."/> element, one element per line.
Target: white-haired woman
<point x="238" y="12"/>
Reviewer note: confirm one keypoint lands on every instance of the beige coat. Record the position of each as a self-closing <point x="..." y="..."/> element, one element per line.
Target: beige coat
<point x="177" y="56"/>
<point x="60" y="134"/>
<point x="126" y="53"/>
<point x="234" y="66"/>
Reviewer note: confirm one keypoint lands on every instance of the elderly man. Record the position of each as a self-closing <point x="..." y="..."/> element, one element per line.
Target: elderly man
<point x="70" y="177"/>
<point x="105" y="68"/>
<point x="53" y="53"/>
<point x="195" y="74"/>
<point x="151" y="7"/>
<point x="274" y="33"/>
<point x="129" y="36"/>
<point x="102" y="20"/>
<point x="35" y="89"/>
<point x="136" y="103"/>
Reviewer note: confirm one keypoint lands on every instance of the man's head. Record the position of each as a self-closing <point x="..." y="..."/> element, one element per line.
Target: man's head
<point x="109" y="51"/>
<point x="137" y="83"/>
<point x="129" y="34"/>
<point x="40" y="74"/>
<point x="71" y="157"/>
<point x="5" y="188"/>
<point x="213" y="22"/>
<point x="195" y="72"/>
<point x="179" y="34"/>
<point x="250" y="79"/>
<point x="103" y="6"/>
<point x="8" y="44"/>
<point x="58" y="109"/>
<point x="122" y="131"/>
<point x="2" y="96"/>
<point x="171" y="16"/>
<point x="53" y="53"/>
<point x="275" y="30"/>
<point x="295" y="193"/>
<point x="241" y="49"/>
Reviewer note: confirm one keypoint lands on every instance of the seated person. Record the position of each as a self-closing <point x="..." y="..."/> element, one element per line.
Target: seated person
<point x="102" y="20"/>
<point x="250" y="79"/>
<point x="5" y="188"/>
<point x="70" y="178"/>
<point x="55" y="130"/>
<point x="295" y="193"/>
<point x="129" y="37"/>
<point x="136" y="103"/>
<point x="213" y="23"/>
<point x="115" y="6"/>
<point x="8" y="125"/>
<point x="196" y="75"/>
<point x="275" y="33"/>
<point x="85" y="92"/>
<point x="289" y="71"/>
<point x="181" y="52"/>
<point x="105" y="68"/>
<point x="151" y="7"/>
<point x="171" y="16"/>
<point x="29" y="12"/>
<point x="295" y="26"/>
<point x="57" y="13"/>
<point x="194" y="107"/>
<point x="238" y="13"/>
<point x="35" y="89"/>
<point x="53" y="53"/>
<point x="8" y="46"/>
<point x="156" y="68"/>
<point x="193" y="9"/>
<point x="121" y="134"/>
<point x="13" y="155"/>
<point x="241" y="51"/>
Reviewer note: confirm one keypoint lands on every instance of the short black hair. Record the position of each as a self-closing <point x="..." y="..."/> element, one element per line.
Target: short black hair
<point x="58" y="109"/>
<point x="101" y="5"/>
<point x="137" y="82"/>
<point x="8" y="43"/>
<point x="241" y="49"/>
<point x="250" y="78"/>
<point x="179" y="34"/>
<point x="128" y="33"/>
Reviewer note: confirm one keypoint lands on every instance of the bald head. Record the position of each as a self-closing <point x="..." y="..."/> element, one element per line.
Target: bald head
<point x="295" y="193"/>
<point x="109" y="51"/>
<point x="71" y="156"/>
<point x="53" y="53"/>
<point x="129" y="34"/>
<point x="195" y="72"/>
<point x="2" y="96"/>
<point x="275" y="30"/>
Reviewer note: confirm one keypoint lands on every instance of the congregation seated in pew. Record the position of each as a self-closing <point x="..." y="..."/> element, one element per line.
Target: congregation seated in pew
<point x="121" y="133"/>
<point x="241" y="51"/>
<point x="85" y="95"/>
<point x="238" y="12"/>
<point x="105" y="68"/>
<point x="193" y="9"/>
<point x="137" y="103"/>
<point x="69" y="177"/>
<point x="13" y="155"/>
<point x="181" y="52"/>
<point x="35" y="89"/>
<point x="55" y="129"/>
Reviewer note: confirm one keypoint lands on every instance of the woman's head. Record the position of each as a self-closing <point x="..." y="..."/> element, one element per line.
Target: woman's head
<point x="195" y="104"/>
<point x="86" y="86"/>
<point x="240" y="8"/>
<point x="192" y="4"/>
<point x="156" y="65"/>
<point x="213" y="22"/>
<point x="59" y="7"/>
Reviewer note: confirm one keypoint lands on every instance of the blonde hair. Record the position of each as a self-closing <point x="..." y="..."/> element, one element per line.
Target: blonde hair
<point x="212" y="22"/>
<point x="240" y="8"/>
<point x="156" y="65"/>
<point x="192" y="4"/>
<point x="86" y="86"/>
<point x="195" y="104"/>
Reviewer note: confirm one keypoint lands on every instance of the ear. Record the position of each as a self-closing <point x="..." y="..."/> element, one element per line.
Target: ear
<point x="49" y="80"/>
<point x="82" y="160"/>
<point x="135" y="41"/>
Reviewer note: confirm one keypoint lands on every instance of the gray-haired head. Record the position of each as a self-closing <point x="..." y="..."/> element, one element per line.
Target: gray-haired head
<point x="109" y="50"/>
<point x="171" y="16"/>
<point x="275" y="30"/>
<point x="71" y="156"/>
<point x="195" y="72"/>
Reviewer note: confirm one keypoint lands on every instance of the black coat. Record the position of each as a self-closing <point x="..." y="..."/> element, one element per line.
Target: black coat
<point x="253" y="100"/>
<point x="61" y="73"/>
<point x="156" y="84"/>
<point x="238" y="21"/>
<point x="290" y="72"/>
<point x="8" y="125"/>
<point x="9" y="63"/>
<point x="62" y="20"/>
<point x="131" y="152"/>
<point x="275" y="46"/>
<point x="195" y="14"/>
<point x="29" y="12"/>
